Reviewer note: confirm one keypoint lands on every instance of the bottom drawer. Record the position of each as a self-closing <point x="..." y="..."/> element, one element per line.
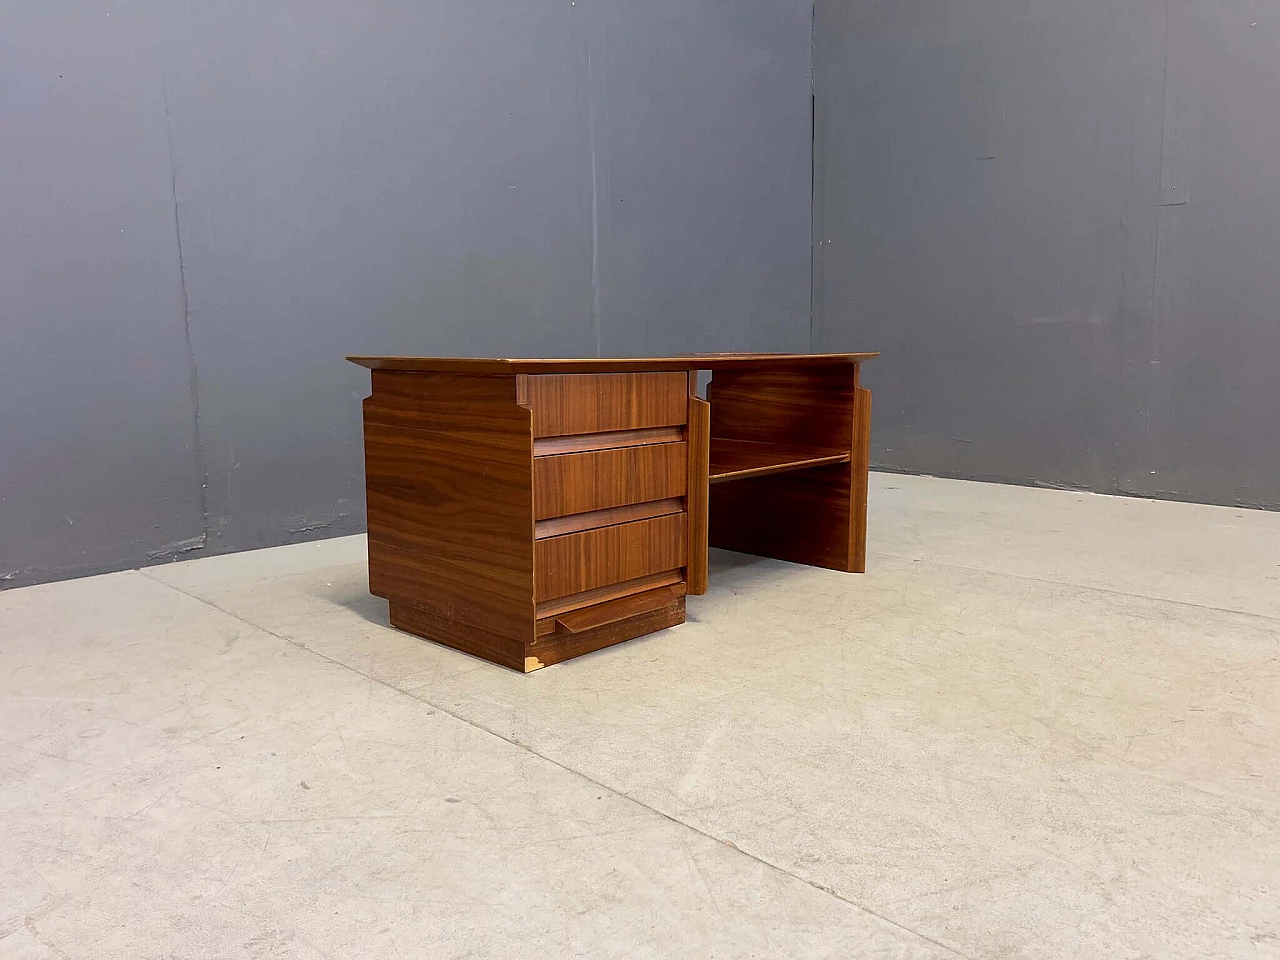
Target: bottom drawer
<point x="611" y="612"/>
<point x="593" y="558"/>
<point x="576" y="632"/>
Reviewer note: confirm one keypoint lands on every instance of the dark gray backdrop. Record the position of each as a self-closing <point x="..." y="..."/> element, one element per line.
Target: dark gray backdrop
<point x="204" y="206"/>
<point x="1060" y="221"/>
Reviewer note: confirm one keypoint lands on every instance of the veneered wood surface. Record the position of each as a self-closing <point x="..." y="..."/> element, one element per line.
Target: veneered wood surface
<point x="461" y="636"/>
<point x="581" y="561"/>
<point x="739" y="459"/>
<point x="801" y="516"/>
<point x="581" y="482"/>
<point x="558" y="526"/>
<point x="496" y="366"/>
<point x="697" y="498"/>
<point x="449" y="478"/>
<point x="595" y="402"/>
<point x="788" y="406"/>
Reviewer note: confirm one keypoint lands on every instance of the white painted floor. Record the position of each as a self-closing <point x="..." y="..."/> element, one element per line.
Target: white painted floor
<point x="1045" y="724"/>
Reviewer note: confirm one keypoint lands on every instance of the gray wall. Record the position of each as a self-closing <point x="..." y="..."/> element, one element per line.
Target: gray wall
<point x="203" y="207"/>
<point x="1060" y="222"/>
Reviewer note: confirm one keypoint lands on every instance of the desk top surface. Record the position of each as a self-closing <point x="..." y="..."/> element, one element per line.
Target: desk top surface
<point x="695" y="361"/>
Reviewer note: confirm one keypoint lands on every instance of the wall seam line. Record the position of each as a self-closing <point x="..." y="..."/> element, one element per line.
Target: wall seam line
<point x="814" y="247"/>
<point x="197" y="439"/>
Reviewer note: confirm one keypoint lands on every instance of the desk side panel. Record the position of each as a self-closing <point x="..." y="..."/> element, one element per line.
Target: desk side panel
<point x="449" y="473"/>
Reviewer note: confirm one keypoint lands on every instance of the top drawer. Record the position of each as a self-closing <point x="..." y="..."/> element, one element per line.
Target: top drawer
<point x="569" y="403"/>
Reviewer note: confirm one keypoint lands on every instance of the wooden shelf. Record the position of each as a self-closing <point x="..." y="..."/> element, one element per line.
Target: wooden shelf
<point x="738" y="459"/>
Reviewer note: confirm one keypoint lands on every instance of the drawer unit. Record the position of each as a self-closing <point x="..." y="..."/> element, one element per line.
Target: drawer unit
<point x="574" y="403"/>
<point x="595" y="480"/>
<point x="530" y="516"/>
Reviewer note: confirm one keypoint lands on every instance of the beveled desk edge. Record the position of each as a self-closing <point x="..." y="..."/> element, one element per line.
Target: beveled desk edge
<point x="708" y="361"/>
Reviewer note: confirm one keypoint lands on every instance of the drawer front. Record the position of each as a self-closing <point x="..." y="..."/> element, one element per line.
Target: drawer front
<point x="570" y="403"/>
<point x="595" y="616"/>
<point x="581" y="482"/>
<point x="593" y="558"/>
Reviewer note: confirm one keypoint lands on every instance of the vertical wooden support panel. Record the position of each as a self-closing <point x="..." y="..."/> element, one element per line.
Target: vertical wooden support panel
<point x="699" y="469"/>
<point x="860" y="462"/>
<point x="449" y="482"/>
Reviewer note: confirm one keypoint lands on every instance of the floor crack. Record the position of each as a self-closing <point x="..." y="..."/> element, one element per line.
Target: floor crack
<point x="1080" y="586"/>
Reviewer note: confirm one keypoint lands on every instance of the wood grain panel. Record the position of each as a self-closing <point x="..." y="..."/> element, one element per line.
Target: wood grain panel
<point x="596" y="402"/>
<point x="448" y="468"/>
<point x="696" y="500"/>
<point x="790" y="406"/>
<point x="559" y="526"/>
<point x="580" y="482"/>
<point x="739" y="459"/>
<point x="460" y="636"/>
<point x="593" y="558"/>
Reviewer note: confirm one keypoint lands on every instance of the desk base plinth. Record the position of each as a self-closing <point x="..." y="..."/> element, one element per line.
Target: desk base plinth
<point x="545" y="650"/>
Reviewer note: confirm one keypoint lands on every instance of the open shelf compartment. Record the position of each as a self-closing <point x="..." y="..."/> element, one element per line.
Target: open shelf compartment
<point x="739" y="459"/>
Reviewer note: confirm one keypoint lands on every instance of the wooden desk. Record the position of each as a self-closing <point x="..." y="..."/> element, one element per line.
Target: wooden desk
<point x="529" y="511"/>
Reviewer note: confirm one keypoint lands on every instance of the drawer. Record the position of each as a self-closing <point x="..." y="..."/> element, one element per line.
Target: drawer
<point x="582" y="630"/>
<point x="583" y="561"/>
<point x="571" y="403"/>
<point x="609" y="613"/>
<point x="580" y="482"/>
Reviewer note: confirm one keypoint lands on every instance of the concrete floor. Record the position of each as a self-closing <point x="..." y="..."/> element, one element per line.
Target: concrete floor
<point x="1045" y="724"/>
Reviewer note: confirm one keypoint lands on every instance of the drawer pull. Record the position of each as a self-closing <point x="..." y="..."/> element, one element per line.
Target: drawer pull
<point x="603" y="614"/>
<point x="559" y="526"/>
<point x="553" y="446"/>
